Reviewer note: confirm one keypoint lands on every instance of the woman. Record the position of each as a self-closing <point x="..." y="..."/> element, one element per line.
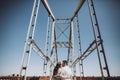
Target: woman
<point x="57" y="72"/>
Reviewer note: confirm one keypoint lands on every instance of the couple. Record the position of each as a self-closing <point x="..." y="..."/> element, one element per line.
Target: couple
<point x="62" y="71"/>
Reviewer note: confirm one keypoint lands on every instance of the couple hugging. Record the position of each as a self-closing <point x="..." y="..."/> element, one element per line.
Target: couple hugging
<point x="62" y="71"/>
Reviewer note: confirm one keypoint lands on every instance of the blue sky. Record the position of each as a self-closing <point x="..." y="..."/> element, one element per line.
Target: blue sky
<point x="14" y="20"/>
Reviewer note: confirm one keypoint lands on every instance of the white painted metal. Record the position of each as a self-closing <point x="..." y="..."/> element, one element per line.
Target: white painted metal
<point x="81" y="2"/>
<point x="45" y="3"/>
<point x="52" y="48"/>
<point x="29" y="38"/>
<point x="30" y="44"/>
<point x="46" y="46"/>
<point x="73" y="51"/>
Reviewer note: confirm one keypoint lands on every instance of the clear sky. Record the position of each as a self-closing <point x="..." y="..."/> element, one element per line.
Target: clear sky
<point x="14" y="20"/>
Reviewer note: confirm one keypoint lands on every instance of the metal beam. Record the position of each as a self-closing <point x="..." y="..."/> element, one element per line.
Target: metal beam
<point x="46" y="5"/>
<point x="77" y="9"/>
<point x="39" y="52"/>
<point x="87" y="52"/>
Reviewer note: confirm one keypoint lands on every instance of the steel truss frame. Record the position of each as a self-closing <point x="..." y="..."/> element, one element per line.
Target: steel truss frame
<point x="30" y="44"/>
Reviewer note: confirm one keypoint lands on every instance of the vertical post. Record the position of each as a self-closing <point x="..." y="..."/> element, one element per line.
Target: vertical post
<point x="94" y="33"/>
<point x="52" y="49"/>
<point x="97" y="25"/>
<point x="29" y="38"/>
<point x="46" y="47"/>
<point x="97" y="37"/>
<point x="73" y="52"/>
<point x="81" y="69"/>
<point x="69" y="48"/>
<point x="56" y="55"/>
<point x="80" y="49"/>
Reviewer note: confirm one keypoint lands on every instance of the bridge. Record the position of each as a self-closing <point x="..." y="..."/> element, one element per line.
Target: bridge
<point x="55" y="41"/>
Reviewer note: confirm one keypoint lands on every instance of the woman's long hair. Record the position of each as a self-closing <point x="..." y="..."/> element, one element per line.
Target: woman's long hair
<point x="55" y="71"/>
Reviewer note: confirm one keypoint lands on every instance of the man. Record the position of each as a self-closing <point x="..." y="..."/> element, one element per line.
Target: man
<point x="66" y="71"/>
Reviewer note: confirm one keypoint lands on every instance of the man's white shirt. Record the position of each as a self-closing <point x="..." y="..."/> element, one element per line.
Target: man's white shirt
<point x="66" y="72"/>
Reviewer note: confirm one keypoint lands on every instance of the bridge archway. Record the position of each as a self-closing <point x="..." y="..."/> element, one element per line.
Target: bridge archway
<point x="68" y="41"/>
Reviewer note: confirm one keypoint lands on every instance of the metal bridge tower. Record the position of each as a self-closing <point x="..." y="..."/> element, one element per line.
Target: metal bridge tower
<point x="66" y="28"/>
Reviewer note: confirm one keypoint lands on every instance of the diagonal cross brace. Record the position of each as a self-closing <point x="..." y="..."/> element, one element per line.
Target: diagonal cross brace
<point x="88" y="51"/>
<point x="37" y="50"/>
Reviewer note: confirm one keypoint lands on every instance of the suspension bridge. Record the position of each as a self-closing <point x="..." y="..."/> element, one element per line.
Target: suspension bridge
<point x="55" y="41"/>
